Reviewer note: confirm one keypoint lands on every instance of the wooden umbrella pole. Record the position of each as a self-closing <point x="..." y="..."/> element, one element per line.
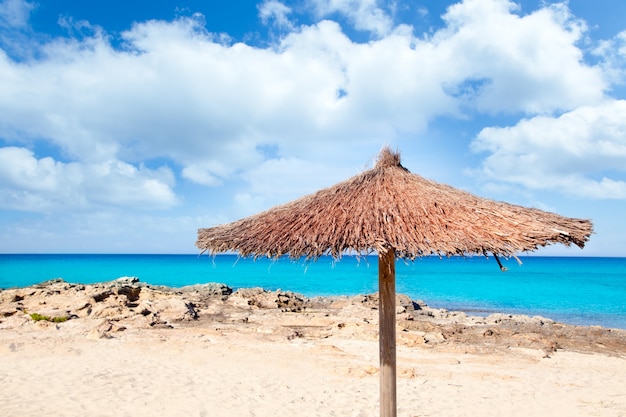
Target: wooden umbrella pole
<point x="387" y="331"/>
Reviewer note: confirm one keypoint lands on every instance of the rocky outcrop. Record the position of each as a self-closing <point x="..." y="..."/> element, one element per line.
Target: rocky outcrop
<point x="123" y="300"/>
<point x="103" y="310"/>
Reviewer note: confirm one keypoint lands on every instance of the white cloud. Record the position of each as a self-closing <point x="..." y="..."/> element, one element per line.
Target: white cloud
<point x="576" y="153"/>
<point x="612" y="52"/>
<point x="209" y="173"/>
<point x="500" y="61"/>
<point x="364" y="14"/>
<point x="31" y="184"/>
<point x="20" y="168"/>
<point x="179" y="93"/>
<point x="15" y="13"/>
<point x="276" y="11"/>
<point x="281" y="180"/>
<point x="265" y="124"/>
<point x="15" y="30"/>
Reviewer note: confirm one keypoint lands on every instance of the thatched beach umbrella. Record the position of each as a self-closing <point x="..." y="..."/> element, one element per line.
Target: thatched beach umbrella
<point x="395" y="213"/>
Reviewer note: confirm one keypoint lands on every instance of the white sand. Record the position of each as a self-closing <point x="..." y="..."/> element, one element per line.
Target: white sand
<point x="55" y="370"/>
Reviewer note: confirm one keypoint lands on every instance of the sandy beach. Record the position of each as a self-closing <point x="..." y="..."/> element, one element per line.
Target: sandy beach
<point x="129" y="349"/>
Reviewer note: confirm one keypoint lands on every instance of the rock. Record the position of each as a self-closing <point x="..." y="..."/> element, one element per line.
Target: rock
<point x="369" y="300"/>
<point x="285" y="301"/>
<point x="124" y="281"/>
<point x="175" y="310"/>
<point x="340" y="303"/>
<point x="405" y="302"/>
<point x="127" y="287"/>
<point x="541" y="320"/>
<point x="411" y="339"/>
<point x="209" y="289"/>
<point x="239" y="302"/>
<point x="101" y="296"/>
<point x="249" y="292"/>
<point x="102" y="331"/>
<point x="49" y="283"/>
<point x="80" y="308"/>
<point x="131" y="293"/>
<point x="498" y="318"/>
<point x="434" y="338"/>
<point x="290" y="301"/>
<point x="127" y="303"/>
<point x="110" y="311"/>
<point x="264" y="300"/>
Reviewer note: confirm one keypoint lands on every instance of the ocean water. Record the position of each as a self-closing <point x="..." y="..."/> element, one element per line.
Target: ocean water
<point x="575" y="290"/>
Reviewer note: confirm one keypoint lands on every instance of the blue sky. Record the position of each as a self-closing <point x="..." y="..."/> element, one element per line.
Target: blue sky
<point x="125" y="126"/>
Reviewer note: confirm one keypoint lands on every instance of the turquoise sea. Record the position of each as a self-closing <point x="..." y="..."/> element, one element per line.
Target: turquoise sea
<point x="575" y="290"/>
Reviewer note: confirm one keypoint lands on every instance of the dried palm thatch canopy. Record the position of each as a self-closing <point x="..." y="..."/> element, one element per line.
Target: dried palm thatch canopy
<point x="388" y="206"/>
<point x="397" y="214"/>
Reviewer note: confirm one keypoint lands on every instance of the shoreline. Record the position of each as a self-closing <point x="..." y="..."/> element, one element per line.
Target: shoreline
<point x="129" y="303"/>
<point x="129" y="348"/>
<point x="538" y="287"/>
<point x="459" y="307"/>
